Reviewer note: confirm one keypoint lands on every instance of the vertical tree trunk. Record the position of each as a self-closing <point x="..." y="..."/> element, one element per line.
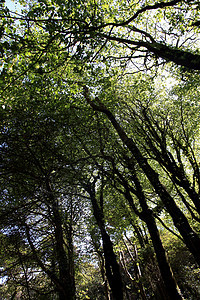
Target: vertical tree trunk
<point x="66" y="278"/>
<point x="64" y="259"/>
<point x="102" y="269"/>
<point x="137" y="270"/>
<point x="111" y="264"/>
<point x="112" y="267"/>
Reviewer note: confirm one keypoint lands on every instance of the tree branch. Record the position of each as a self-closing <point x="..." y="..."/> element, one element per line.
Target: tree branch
<point x="178" y="56"/>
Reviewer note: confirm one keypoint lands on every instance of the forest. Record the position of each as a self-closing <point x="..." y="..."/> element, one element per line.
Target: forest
<point x="100" y="149"/>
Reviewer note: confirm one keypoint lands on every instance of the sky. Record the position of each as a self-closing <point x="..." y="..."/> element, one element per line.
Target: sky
<point x="13" y="5"/>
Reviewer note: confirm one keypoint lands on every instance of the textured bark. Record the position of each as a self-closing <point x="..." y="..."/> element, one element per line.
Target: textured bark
<point x="170" y="286"/>
<point x="102" y="269"/>
<point x="166" y="159"/>
<point x="180" y="57"/>
<point x="171" y="291"/>
<point x="65" y="276"/>
<point x="111" y="264"/>
<point x="190" y="237"/>
<point x="65" y="262"/>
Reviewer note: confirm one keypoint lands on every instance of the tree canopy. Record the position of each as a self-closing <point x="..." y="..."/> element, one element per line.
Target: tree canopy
<point x="99" y="144"/>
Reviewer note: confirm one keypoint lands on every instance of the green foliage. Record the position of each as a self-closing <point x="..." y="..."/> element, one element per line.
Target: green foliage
<point x="184" y="267"/>
<point x="89" y="283"/>
<point x="60" y="60"/>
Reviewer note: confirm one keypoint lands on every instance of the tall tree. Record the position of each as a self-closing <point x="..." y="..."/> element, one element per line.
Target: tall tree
<point x="52" y="139"/>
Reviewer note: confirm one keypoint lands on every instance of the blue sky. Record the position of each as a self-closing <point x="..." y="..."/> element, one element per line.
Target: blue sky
<point x="13" y="5"/>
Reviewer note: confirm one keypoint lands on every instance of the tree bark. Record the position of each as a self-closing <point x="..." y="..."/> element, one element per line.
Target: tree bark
<point x="166" y="159"/>
<point x="190" y="237"/>
<point x="170" y="286"/>
<point x="111" y="264"/>
<point x="65" y="263"/>
<point x="171" y="291"/>
<point x="178" y="56"/>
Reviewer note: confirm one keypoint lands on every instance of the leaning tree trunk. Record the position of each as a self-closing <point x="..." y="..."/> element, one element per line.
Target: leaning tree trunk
<point x="111" y="264"/>
<point x="170" y="286"/>
<point x="171" y="291"/>
<point x="190" y="237"/>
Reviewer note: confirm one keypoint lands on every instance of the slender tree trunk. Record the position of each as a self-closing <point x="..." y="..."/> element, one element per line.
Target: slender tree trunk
<point x="111" y="264"/>
<point x="65" y="276"/>
<point x="170" y="285"/>
<point x="137" y="270"/>
<point x="190" y="237"/>
<point x="112" y="267"/>
<point x="166" y="159"/>
<point x="24" y="270"/>
<point x="171" y="291"/>
<point x="102" y="269"/>
<point x="64" y="259"/>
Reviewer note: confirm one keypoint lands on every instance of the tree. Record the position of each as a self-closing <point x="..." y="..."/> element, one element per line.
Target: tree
<point x="111" y="264"/>
<point x="71" y="121"/>
<point x="81" y="27"/>
<point x="34" y="201"/>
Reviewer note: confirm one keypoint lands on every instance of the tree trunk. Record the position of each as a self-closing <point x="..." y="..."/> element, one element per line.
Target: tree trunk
<point x="65" y="276"/>
<point x="178" y="56"/>
<point x="112" y="267"/>
<point x="166" y="159"/>
<point x="171" y="291"/>
<point x="102" y="269"/>
<point x="137" y="269"/>
<point x="190" y="237"/>
<point x="146" y="215"/>
<point x="111" y="264"/>
<point x="65" y="260"/>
